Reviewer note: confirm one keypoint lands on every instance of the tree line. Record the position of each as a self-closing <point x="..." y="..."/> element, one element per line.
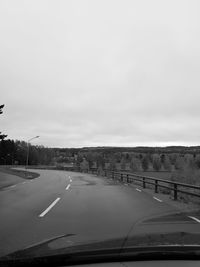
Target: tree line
<point x="139" y="161"/>
<point x="15" y="153"/>
<point x="182" y="161"/>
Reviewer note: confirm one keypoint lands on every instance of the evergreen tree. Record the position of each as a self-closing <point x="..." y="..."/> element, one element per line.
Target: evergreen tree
<point x="2" y="136"/>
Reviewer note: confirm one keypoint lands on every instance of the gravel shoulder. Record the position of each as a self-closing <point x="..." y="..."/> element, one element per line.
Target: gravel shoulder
<point x="179" y="204"/>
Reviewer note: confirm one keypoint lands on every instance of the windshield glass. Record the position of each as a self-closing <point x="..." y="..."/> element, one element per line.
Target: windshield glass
<point x="99" y="136"/>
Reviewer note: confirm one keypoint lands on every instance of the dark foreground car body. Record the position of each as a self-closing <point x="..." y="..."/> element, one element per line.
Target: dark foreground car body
<point x="169" y="237"/>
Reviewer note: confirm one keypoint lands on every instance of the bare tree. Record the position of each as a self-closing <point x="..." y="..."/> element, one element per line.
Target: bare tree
<point x="156" y="163"/>
<point x="135" y="164"/>
<point x="145" y="163"/>
<point x="167" y="164"/>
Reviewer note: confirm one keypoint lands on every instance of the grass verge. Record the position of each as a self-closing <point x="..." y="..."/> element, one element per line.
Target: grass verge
<point x="11" y="177"/>
<point x="20" y="173"/>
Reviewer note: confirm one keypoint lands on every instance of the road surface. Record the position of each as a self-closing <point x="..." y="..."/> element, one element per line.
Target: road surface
<point x="59" y="203"/>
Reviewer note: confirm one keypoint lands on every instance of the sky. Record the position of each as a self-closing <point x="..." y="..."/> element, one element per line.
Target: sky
<point x="100" y="72"/>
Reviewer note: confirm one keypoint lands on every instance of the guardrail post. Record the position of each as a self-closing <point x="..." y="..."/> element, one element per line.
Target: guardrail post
<point x="156" y="186"/>
<point x="105" y="173"/>
<point x="144" y="184"/>
<point x="127" y="178"/>
<point x="113" y="174"/>
<point x="121" y="177"/>
<point x="175" y="191"/>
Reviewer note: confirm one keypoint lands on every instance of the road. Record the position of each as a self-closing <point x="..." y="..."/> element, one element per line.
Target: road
<point x="59" y="203"/>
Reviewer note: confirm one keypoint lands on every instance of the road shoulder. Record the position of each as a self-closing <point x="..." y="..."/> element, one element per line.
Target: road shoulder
<point x="9" y="177"/>
<point x="168" y="199"/>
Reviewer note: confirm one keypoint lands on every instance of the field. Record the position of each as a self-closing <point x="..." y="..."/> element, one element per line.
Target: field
<point x="160" y="175"/>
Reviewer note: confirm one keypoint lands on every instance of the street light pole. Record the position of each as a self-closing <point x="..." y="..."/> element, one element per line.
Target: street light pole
<point x="27" y="156"/>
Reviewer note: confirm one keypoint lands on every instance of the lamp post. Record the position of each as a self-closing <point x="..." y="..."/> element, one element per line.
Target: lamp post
<point x="27" y="156"/>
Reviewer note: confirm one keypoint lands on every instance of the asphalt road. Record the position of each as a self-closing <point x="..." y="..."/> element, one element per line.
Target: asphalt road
<point x="59" y="203"/>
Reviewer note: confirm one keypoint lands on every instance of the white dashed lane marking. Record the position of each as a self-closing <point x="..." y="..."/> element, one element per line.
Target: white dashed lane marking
<point x="194" y="218"/>
<point x="69" y="177"/>
<point x="157" y="199"/>
<point x="67" y="187"/>
<point x="49" y="208"/>
<point x="138" y="190"/>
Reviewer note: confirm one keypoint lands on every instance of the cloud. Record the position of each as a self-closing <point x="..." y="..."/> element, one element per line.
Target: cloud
<point x="82" y="73"/>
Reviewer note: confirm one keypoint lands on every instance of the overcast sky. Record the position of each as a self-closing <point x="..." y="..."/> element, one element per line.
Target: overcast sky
<point x="93" y="72"/>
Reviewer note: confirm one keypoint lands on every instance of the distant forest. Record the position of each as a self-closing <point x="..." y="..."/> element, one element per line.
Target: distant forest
<point x="136" y="158"/>
<point x="182" y="162"/>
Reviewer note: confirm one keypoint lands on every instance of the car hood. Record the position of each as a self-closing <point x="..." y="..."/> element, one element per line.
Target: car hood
<point x="169" y="230"/>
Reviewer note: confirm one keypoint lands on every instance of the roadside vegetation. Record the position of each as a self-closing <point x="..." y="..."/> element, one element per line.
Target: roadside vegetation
<point x="20" y="173"/>
<point x="176" y="163"/>
<point x="9" y="177"/>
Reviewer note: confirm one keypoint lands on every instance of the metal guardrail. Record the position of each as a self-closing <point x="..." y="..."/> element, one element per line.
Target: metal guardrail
<point x="157" y="183"/>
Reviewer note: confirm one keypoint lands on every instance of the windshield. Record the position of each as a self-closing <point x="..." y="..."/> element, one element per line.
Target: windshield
<point x="99" y="136"/>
